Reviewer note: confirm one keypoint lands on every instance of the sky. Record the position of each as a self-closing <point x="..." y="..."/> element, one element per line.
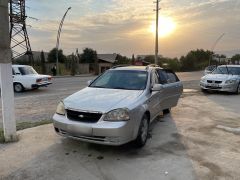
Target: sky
<point x="127" y="26"/>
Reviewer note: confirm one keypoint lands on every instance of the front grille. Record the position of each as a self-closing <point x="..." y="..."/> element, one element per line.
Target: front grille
<point x="83" y="116"/>
<point x="211" y="81"/>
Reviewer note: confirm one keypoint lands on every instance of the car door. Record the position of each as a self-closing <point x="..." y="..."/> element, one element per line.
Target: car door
<point x="154" y="104"/>
<point x="172" y="88"/>
<point x="175" y="88"/>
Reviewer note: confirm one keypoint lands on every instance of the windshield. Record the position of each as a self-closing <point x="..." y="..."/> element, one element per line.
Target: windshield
<point x="227" y="70"/>
<point x="122" y="79"/>
<point x="27" y="70"/>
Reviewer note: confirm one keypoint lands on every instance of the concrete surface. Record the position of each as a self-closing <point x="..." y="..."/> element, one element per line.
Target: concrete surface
<point x="41" y="154"/>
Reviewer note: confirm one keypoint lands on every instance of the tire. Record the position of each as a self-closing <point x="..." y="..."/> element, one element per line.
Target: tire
<point x="18" y="87"/>
<point x="142" y="137"/>
<point x="238" y="89"/>
<point x="166" y="111"/>
<point x="204" y="90"/>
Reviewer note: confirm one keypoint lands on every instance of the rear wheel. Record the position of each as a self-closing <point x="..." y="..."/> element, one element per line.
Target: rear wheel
<point x="18" y="87"/>
<point x="142" y="132"/>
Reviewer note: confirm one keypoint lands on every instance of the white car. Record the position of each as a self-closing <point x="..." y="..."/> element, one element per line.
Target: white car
<point x="223" y="78"/>
<point x="25" y="78"/>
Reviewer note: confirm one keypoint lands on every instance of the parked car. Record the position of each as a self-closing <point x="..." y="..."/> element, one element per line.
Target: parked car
<point x="209" y="69"/>
<point x="25" y="77"/>
<point x="118" y="106"/>
<point x="223" y="78"/>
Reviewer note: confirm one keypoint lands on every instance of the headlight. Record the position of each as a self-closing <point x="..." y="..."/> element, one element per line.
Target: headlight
<point x="60" y="109"/>
<point x="203" y="80"/>
<point x="231" y="81"/>
<point x="117" y="115"/>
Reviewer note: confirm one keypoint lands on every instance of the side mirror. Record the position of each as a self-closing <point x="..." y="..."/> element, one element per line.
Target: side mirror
<point x="157" y="87"/>
<point x="89" y="82"/>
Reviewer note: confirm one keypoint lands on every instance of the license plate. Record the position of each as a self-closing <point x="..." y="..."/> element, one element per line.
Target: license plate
<point x="213" y="85"/>
<point x="45" y="79"/>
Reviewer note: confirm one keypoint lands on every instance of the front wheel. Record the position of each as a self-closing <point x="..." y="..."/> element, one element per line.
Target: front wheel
<point x="18" y="87"/>
<point x="238" y="89"/>
<point x="142" y="132"/>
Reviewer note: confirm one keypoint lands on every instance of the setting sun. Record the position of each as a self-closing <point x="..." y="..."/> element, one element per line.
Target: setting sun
<point x="166" y="26"/>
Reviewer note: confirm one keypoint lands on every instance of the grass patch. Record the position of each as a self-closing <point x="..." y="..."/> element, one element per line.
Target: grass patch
<point x="1" y="136"/>
<point x="25" y="125"/>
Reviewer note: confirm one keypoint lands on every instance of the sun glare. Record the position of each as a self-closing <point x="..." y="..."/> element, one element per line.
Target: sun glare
<point x="166" y="26"/>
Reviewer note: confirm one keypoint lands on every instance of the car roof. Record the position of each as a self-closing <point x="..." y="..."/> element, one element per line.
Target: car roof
<point x="135" y="68"/>
<point x="232" y="65"/>
<point x="17" y="65"/>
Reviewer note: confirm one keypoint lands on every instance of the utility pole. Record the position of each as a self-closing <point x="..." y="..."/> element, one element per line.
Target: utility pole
<point x="156" y="40"/>
<point x="7" y="95"/>
<point x="20" y="43"/>
<point x="58" y="38"/>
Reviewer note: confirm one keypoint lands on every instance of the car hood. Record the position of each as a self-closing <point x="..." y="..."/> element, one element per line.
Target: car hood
<point x="220" y="77"/>
<point x="100" y="99"/>
<point x="36" y="75"/>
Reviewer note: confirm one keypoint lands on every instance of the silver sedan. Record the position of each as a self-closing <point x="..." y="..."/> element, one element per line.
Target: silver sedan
<point x="223" y="78"/>
<point x="118" y="106"/>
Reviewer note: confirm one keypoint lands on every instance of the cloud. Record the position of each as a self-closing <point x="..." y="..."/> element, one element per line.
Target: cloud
<point x="121" y="25"/>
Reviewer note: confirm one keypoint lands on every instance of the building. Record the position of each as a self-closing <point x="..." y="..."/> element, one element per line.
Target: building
<point x="106" y="61"/>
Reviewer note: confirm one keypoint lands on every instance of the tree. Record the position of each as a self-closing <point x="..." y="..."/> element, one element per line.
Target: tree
<point x="43" y="67"/>
<point x="122" y="60"/>
<point x="73" y="65"/>
<point x="195" y="60"/>
<point x="235" y="58"/>
<point x="89" y="56"/>
<point x="52" y="56"/>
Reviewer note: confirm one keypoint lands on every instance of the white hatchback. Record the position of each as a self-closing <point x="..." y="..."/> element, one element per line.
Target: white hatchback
<point x="25" y="78"/>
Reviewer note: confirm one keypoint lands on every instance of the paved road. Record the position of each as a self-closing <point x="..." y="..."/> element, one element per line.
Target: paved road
<point x="41" y="104"/>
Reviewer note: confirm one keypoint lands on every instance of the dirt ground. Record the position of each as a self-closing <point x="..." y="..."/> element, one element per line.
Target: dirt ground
<point x="208" y="125"/>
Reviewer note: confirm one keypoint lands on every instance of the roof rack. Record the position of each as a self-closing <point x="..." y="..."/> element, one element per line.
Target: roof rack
<point x="151" y="65"/>
<point x="122" y="65"/>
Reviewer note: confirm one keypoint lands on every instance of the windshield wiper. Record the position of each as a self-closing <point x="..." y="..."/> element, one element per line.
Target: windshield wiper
<point x="120" y="88"/>
<point x="97" y="86"/>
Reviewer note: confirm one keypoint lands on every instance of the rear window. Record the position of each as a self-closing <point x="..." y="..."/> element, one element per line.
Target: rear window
<point x="27" y="70"/>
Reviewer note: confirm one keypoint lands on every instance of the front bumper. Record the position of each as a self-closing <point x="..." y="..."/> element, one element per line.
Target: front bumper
<point x="102" y="132"/>
<point x="41" y="85"/>
<point x="219" y="87"/>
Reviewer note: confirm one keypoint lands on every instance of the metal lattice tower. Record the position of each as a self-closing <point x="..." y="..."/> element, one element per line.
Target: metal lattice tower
<point x="18" y="32"/>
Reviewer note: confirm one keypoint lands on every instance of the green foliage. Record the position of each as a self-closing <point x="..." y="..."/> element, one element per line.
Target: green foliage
<point x="195" y="60"/>
<point x="2" y="139"/>
<point x="43" y="66"/>
<point x="88" y="56"/>
<point x="73" y="65"/>
<point x="236" y="57"/>
<point x="122" y="60"/>
<point x="52" y="56"/>
<point x="25" y="125"/>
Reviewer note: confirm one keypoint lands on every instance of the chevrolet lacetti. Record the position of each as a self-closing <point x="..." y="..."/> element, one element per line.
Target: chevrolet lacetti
<point x="118" y="106"/>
